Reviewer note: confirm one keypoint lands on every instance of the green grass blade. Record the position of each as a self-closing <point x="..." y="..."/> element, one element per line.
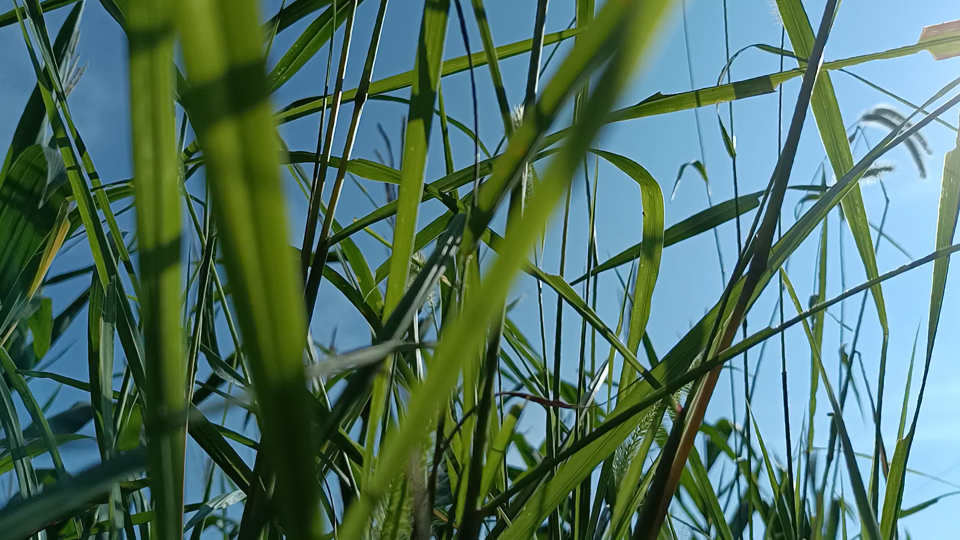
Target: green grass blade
<point x="493" y="63"/>
<point x="235" y="129"/>
<point x="156" y="172"/>
<point x="783" y="514"/>
<point x="469" y="329"/>
<point x="495" y="456"/>
<point x="323" y="244"/>
<point x="867" y="514"/>
<point x="698" y="223"/>
<point x="894" y="491"/>
<point x="313" y="38"/>
<point x="651" y="247"/>
<point x="416" y="144"/>
<point x="33" y="408"/>
<point x="64" y="499"/>
<point x="826" y="111"/>
<point x="312" y="105"/>
<point x="323" y="161"/>
<point x="660" y="103"/>
<point x="707" y="491"/>
<point x="30" y="128"/>
<point x="10" y="17"/>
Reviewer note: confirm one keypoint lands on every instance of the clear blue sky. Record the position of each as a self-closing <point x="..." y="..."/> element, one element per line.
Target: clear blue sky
<point x="689" y="279"/>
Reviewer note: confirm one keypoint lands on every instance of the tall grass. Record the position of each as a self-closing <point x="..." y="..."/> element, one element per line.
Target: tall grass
<point x="421" y="433"/>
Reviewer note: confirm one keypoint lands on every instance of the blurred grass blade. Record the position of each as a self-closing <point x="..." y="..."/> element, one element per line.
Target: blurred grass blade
<point x="66" y="498"/>
<point x="156" y="172"/>
<point x="235" y="129"/>
<point x="633" y="24"/>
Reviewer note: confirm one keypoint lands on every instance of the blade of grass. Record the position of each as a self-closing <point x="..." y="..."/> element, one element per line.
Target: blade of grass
<point x="156" y="173"/>
<point x="312" y="105"/>
<point x="323" y="161"/>
<point x="228" y="88"/>
<point x="313" y="283"/>
<point x="867" y="514"/>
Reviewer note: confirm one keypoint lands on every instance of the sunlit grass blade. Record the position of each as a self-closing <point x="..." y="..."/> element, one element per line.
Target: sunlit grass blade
<point x="236" y="132"/>
<point x="307" y="106"/>
<point x="661" y="103"/>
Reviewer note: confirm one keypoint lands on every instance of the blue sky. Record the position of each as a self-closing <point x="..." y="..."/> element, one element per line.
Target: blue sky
<point x="689" y="280"/>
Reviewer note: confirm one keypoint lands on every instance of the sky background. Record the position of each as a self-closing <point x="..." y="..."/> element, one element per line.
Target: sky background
<point x="689" y="281"/>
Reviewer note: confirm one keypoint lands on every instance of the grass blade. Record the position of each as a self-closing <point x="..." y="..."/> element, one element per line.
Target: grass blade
<point x="156" y="172"/>
<point x="236" y="132"/>
<point x="867" y="514"/>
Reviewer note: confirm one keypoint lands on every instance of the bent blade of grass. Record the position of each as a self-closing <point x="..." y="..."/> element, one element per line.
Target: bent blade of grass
<point x="651" y="247"/>
<point x="867" y="515"/>
<point x="228" y="92"/>
<point x="156" y="172"/>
